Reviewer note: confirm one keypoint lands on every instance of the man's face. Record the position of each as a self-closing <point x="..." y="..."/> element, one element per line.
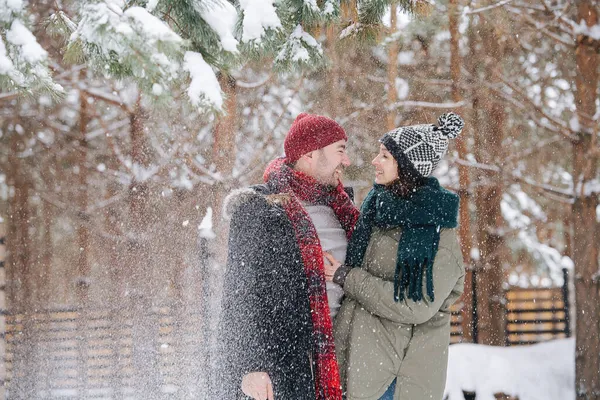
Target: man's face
<point x="329" y="163"/>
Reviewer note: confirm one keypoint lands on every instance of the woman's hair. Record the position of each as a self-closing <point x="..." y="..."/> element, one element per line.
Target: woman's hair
<point x="408" y="182"/>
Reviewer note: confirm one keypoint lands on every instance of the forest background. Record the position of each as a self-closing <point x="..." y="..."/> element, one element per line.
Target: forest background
<point x="123" y="125"/>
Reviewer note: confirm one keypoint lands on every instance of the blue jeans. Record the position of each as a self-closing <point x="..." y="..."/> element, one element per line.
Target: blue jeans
<point x="389" y="393"/>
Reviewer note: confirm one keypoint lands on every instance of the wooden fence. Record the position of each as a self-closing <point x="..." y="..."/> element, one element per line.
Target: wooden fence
<point x="69" y="354"/>
<point x="533" y="315"/>
<point x="536" y="315"/>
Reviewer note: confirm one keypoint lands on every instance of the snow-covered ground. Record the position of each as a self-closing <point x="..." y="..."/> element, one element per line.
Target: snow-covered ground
<point x="544" y="371"/>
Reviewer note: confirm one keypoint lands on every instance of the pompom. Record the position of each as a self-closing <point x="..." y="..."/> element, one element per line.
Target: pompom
<point x="450" y="125"/>
<point x="300" y="116"/>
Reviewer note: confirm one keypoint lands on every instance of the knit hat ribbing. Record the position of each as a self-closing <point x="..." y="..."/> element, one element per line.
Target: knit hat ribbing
<point x="421" y="147"/>
<point x="311" y="132"/>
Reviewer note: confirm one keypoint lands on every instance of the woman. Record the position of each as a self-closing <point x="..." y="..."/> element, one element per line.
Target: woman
<point x="403" y="271"/>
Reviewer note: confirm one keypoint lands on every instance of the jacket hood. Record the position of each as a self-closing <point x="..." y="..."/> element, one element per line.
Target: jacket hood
<point x="236" y="198"/>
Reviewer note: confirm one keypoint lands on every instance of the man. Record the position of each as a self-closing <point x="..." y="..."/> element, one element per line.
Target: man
<point x="275" y="335"/>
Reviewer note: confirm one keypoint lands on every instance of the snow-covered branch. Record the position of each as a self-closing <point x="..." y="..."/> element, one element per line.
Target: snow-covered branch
<point x="105" y="203"/>
<point x="426" y="104"/>
<point x="108" y="98"/>
<point x="201" y="170"/>
<point x="475" y="164"/>
<point x="253" y="85"/>
<point x="8" y="96"/>
<point x="111" y="128"/>
<point x="558" y="193"/>
<point x="487" y="8"/>
<point x="534" y="149"/>
<point x="562" y="195"/>
<point x="541" y="27"/>
<point x="564" y="128"/>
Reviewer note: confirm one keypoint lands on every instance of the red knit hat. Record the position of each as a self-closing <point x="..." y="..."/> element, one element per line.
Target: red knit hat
<point x="311" y="132"/>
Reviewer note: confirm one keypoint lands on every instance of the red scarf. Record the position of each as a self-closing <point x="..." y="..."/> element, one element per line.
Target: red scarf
<point x="302" y="187"/>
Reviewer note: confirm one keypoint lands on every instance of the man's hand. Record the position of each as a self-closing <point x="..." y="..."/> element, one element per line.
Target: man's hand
<point x="258" y="386"/>
<point x="331" y="265"/>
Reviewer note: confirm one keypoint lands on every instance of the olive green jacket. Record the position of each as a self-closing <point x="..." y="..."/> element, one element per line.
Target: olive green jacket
<point x="379" y="340"/>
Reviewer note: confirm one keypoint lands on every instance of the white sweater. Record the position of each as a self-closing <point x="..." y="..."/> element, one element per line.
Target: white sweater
<point x="333" y="240"/>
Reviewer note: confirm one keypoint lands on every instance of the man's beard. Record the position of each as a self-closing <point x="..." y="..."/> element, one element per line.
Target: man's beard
<point x="335" y="177"/>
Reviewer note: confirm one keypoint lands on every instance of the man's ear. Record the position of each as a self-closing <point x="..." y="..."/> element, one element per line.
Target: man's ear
<point x="305" y="162"/>
<point x="308" y="157"/>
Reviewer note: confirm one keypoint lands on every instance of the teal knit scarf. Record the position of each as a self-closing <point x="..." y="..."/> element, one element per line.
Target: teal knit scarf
<point x="421" y="216"/>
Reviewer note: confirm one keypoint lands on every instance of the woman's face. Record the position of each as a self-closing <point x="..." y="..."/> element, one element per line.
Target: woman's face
<point x="386" y="167"/>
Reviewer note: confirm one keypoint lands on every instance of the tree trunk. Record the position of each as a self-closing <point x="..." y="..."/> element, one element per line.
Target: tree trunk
<point x="45" y="287"/>
<point x="349" y="11"/>
<point x="392" y="71"/>
<point x="116" y="276"/>
<point x="566" y="213"/>
<point x="83" y="236"/>
<point x="18" y="241"/>
<point x="490" y="278"/>
<point x="488" y="146"/>
<point x="585" y="232"/>
<point x="333" y="102"/>
<point x="464" y="229"/>
<point x="223" y="151"/>
<point x="140" y="282"/>
<point x="82" y="282"/>
<point x="46" y="278"/>
<point x="19" y="276"/>
<point x="223" y="157"/>
<point x="2" y="309"/>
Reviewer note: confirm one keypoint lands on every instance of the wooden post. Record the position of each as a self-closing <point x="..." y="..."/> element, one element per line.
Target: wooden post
<point x="566" y="303"/>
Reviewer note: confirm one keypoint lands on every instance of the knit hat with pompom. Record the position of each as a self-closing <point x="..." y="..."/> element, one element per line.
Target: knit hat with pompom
<point x="421" y="147"/>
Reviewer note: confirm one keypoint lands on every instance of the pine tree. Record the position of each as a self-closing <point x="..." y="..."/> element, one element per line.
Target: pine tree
<point x="23" y="62"/>
<point x="151" y="41"/>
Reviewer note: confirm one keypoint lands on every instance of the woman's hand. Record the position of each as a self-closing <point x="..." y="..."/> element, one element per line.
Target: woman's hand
<point x="331" y="265"/>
